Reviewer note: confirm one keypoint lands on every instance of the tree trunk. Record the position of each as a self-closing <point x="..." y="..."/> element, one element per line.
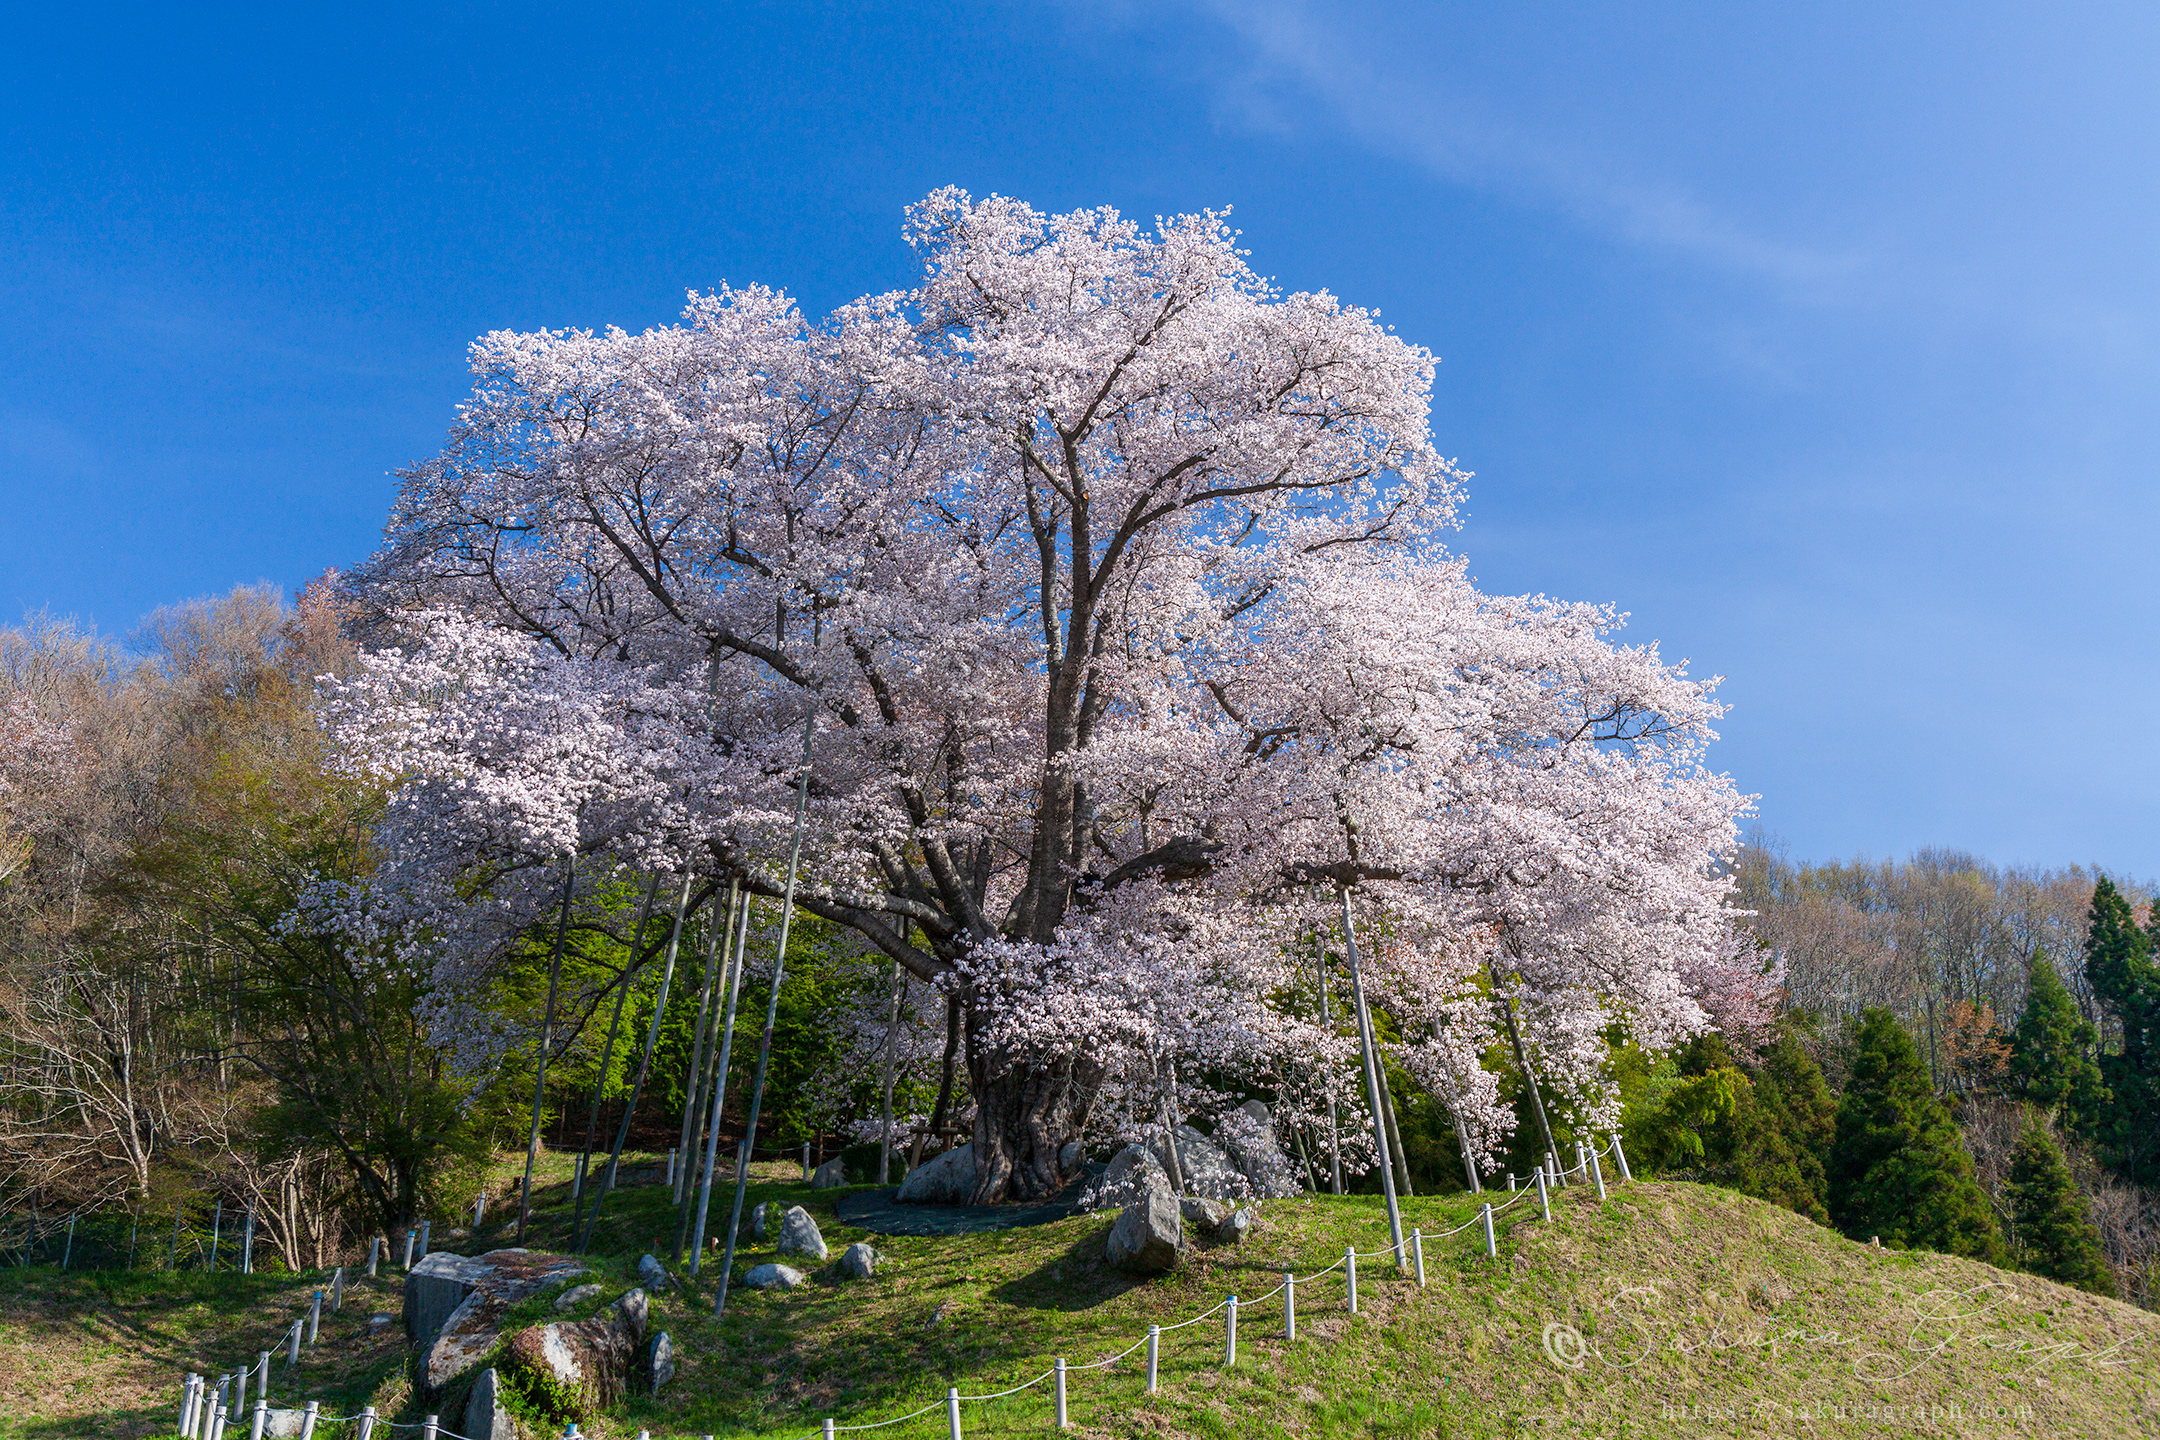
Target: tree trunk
<point x="1025" y="1113"/>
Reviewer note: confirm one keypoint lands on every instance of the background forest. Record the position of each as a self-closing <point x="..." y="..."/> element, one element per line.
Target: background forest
<point x="1963" y="1058"/>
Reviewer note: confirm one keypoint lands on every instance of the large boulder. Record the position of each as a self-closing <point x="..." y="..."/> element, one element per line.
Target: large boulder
<point x="858" y="1261"/>
<point x="1207" y="1171"/>
<point x="454" y="1304"/>
<point x="485" y="1417"/>
<point x="1247" y="1137"/>
<point x="587" y="1362"/>
<point x="1133" y="1175"/>
<point x="773" y="1277"/>
<point x="653" y="1275"/>
<point x="799" y="1234"/>
<point x="1148" y="1236"/>
<point x="949" y="1179"/>
<point x="831" y="1175"/>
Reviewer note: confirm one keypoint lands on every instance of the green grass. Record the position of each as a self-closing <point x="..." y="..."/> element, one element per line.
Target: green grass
<point x="1700" y="1312"/>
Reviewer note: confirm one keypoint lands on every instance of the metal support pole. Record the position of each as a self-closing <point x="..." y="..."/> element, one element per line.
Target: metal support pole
<point x="1417" y="1247"/>
<point x="772" y="1016"/>
<point x="1064" y="1421"/>
<point x="337" y="1290"/>
<point x="374" y="1253"/>
<point x="1544" y="1201"/>
<point x="410" y="1236"/>
<point x="307" y="1420"/>
<point x="952" y="1413"/>
<point x="1492" y="1251"/>
<point x="262" y="1417"/>
<point x="1372" y="1072"/>
<point x="367" y="1422"/>
<point x="1154" y="1351"/>
<point x="427" y="1231"/>
<point x="247" y="1245"/>
<point x="806" y="1162"/>
<point x="217" y="1223"/>
<point x="1289" y="1305"/>
<point x="1334" y="1122"/>
<point x="430" y="1427"/>
<point x="1597" y="1173"/>
<point x="547" y="1040"/>
<point x="1229" y="1358"/>
<point x="1620" y="1153"/>
<point x="740" y="914"/>
<point x="1350" y="1270"/>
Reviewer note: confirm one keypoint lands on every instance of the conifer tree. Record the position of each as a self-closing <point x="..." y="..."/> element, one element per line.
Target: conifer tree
<point x="2118" y="962"/>
<point x="2051" y="1220"/>
<point x="2051" y="1059"/>
<point x="1899" y="1168"/>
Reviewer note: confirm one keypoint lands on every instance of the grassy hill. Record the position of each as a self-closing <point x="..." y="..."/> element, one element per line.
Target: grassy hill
<point x="1671" y="1310"/>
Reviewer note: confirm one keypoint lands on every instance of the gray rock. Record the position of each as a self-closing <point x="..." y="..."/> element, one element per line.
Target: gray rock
<point x="454" y="1304"/>
<point x="858" y="1261"/>
<point x="1147" y="1237"/>
<point x="829" y="1176"/>
<point x="653" y="1275"/>
<point x="1239" y="1222"/>
<point x="633" y="1309"/>
<point x="282" y="1424"/>
<point x="1071" y="1156"/>
<point x="591" y="1359"/>
<point x="1132" y="1176"/>
<point x="1247" y="1137"/>
<point x="1207" y="1216"/>
<point x="1207" y="1171"/>
<point x="948" y="1179"/>
<point x="799" y="1234"/>
<point x="773" y="1277"/>
<point x="485" y="1419"/>
<point x="760" y="1223"/>
<point x="577" y="1295"/>
<point x="657" y="1366"/>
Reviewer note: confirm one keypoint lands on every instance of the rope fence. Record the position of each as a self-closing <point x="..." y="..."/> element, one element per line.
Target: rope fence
<point x="204" y="1413"/>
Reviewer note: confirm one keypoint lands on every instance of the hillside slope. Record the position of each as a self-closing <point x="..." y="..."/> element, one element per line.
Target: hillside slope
<point x="1671" y="1310"/>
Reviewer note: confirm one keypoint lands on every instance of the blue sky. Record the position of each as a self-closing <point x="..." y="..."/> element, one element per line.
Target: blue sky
<point x="1822" y="339"/>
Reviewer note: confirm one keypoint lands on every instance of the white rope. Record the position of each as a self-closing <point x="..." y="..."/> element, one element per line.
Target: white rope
<point x="1166" y="1329"/>
<point x="938" y="1404"/>
<point x="1015" y="1389"/>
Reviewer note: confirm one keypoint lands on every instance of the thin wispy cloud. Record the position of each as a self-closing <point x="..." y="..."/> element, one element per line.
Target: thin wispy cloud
<point x="1295" y="57"/>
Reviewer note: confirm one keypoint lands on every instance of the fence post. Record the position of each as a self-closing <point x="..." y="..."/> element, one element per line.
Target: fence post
<point x="292" y="1343"/>
<point x="828" y="1429"/>
<point x="410" y="1236"/>
<point x="262" y="1417"/>
<point x="429" y="1426"/>
<point x="952" y="1413"/>
<point x="1154" y="1349"/>
<point x="806" y="1162"/>
<point x="307" y="1420"/>
<point x="188" y="1383"/>
<point x="1552" y="1169"/>
<point x="367" y="1422"/>
<point x="1417" y="1247"/>
<point x="67" y="1252"/>
<point x="238" y="1398"/>
<point x="1544" y="1201"/>
<point x="1580" y="1163"/>
<point x="314" y="1318"/>
<point x="217" y="1421"/>
<point x="427" y="1228"/>
<point x="1597" y="1173"/>
<point x="1289" y="1305"/>
<point x="1230" y="1334"/>
<point x="1064" y="1421"/>
<point x="247" y="1245"/>
<point x="1619" y="1152"/>
<point x="1492" y="1251"/>
<point x="671" y="1168"/>
<point x="262" y="1372"/>
<point x="479" y="1204"/>
<point x="1350" y="1269"/>
<point x="337" y="1290"/>
<point x="1511" y="1182"/>
<point x="374" y="1253"/>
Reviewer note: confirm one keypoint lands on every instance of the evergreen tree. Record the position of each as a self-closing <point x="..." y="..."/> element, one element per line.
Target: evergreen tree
<point x="2118" y="962"/>
<point x="1899" y="1167"/>
<point x="2052" y="1057"/>
<point x="1790" y="1088"/>
<point x="1760" y="1128"/>
<point x="2053" y="1224"/>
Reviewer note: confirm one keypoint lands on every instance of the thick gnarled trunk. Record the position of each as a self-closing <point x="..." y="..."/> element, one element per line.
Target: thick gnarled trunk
<point x="1027" y="1109"/>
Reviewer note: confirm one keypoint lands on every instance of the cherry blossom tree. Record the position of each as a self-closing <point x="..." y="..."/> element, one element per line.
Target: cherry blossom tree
<point x="1097" y="583"/>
